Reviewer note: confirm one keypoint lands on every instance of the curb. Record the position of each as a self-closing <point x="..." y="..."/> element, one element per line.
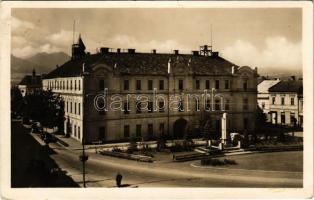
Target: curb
<point x="238" y="169"/>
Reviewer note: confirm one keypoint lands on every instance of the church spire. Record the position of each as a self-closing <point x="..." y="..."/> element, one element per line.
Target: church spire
<point x="78" y="49"/>
<point x="81" y="43"/>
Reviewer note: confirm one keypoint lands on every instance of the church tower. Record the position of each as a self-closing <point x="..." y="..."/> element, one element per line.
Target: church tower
<point x="78" y="49"/>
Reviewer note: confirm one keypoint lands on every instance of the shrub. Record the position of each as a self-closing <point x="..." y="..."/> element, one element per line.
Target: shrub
<point x="116" y="149"/>
<point x="211" y="161"/>
<point x="176" y="148"/>
<point x="133" y="145"/>
<point x="229" y="162"/>
<point x="217" y="162"/>
<point x="188" y="145"/>
<point x="161" y="142"/>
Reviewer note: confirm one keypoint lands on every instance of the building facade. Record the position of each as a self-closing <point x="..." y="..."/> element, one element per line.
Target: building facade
<point x="115" y="95"/>
<point x="263" y="96"/>
<point x="30" y="84"/>
<point x="286" y="103"/>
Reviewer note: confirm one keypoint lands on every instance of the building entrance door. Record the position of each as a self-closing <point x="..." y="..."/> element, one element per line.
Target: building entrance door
<point x="101" y="133"/>
<point x="179" y="128"/>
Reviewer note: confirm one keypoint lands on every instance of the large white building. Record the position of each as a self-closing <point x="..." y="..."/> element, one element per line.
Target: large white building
<point x="176" y="75"/>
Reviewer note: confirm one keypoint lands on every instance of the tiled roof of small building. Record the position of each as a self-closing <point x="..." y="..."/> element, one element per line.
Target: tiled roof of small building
<point x="31" y="80"/>
<point x="264" y="86"/>
<point x="144" y="63"/>
<point x="288" y="86"/>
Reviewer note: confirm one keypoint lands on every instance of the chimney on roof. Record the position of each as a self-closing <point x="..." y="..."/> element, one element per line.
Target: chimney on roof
<point x="215" y="54"/>
<point x="154" y="51"/>
<point x="104" y="50"/>
<point x="57" y="66"/>
<point x="131" y="51"/>
<point x="34" y="72"/>
<point x="195" y="53"/>
<point x="176" y="52"/>
<point x="118" y="50"/>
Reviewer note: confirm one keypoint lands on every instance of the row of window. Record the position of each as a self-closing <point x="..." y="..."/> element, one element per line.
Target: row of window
<point x="74" y="108"/>
<point x="65" y="85"/>
<point x="150" y="86"/>
<point x="161" y="106"/>
<point x="282" y="101"/>
<point x="284" y="118"/>
<point x="149" y="130"/>
<point x="138" y="85"/>
<point x="207" y="84"/>
<point x="76" y="84"/>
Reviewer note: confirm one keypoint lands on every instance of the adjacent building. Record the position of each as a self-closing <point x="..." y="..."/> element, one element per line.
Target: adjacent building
<point x="101" y="93"/>
<point x="30" y="84"/>
<point x="286" y="103"/>
<point x="263" y="95"/>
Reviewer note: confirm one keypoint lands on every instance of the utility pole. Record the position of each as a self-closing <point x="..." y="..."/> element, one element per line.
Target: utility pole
<point x="211" y="36"/>
<point x="168" y="103"/>
<point x="83" y="158"/>
<point x="73" y="31"/>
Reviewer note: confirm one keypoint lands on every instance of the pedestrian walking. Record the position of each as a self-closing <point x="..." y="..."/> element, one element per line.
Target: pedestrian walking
<point x="118" y="179"/>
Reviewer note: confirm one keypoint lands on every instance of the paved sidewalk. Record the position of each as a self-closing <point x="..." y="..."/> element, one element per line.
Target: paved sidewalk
<point x="69" y="142"/>
<point x="32" y="164"/>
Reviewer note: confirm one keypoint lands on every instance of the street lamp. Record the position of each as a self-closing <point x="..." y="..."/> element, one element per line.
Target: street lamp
<point x="83" y="158"/>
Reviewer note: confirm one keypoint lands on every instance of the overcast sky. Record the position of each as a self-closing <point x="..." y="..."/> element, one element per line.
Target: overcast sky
<point x="263" y="38"/>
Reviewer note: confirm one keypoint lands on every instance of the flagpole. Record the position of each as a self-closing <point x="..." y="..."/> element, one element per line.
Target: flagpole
<point x="168" y="105"/>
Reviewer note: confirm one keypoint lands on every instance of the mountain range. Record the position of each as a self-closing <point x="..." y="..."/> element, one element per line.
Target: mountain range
<point x="43" y="63"/>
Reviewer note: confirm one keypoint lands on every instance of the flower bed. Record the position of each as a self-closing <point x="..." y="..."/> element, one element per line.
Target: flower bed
<point x="128" y="156"/>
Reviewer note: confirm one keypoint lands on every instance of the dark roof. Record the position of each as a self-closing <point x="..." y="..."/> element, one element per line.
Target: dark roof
<point x="288" y="86"/>
<point x="31" y="80"/>
<point x="144" y="63"/>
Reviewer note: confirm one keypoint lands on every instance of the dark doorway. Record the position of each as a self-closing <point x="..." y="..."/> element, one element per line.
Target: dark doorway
<point x="218" y="126"/>
<point x="179" y="128"/>
<point x="101" y="133"/>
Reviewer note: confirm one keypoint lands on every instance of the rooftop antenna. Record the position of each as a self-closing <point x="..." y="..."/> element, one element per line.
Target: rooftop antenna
<point x="73" y="30"/>
<point x="207" y="50"/>
<point x="211" y="36"/>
